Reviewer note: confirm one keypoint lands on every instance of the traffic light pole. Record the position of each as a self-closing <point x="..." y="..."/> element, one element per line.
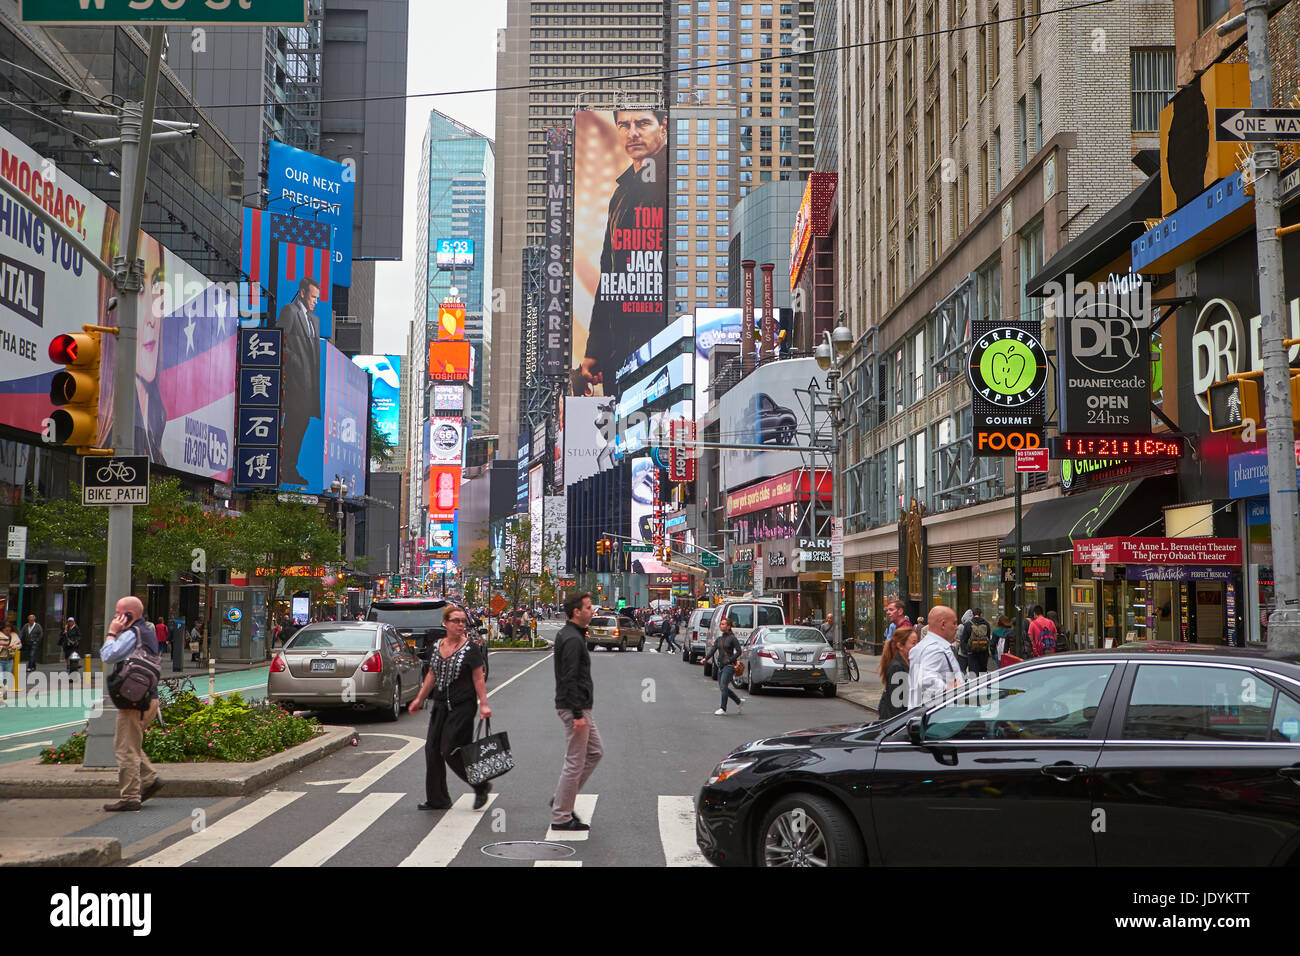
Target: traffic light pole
<point x="1284" y="622"/>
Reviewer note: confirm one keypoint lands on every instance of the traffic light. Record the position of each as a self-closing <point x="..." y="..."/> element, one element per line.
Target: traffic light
<point x="1233" y="403"/>
<point x="75" y="389"/>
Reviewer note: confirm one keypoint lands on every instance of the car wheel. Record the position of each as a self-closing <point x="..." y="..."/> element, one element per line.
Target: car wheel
<point x="807" y="830"/>
<point x="622" y="645"/>
<point x="641" y="646"/>
<point x="829" y="690"/>
<point x="686" y="656"/>
<point x="754" y="689"/>
<point x="394" y="710"/>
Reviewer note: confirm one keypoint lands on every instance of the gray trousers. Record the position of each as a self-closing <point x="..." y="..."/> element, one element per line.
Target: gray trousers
<point x="582" y="751"/>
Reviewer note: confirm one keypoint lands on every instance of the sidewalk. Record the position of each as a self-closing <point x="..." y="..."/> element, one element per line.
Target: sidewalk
<point x="866" y="691"/>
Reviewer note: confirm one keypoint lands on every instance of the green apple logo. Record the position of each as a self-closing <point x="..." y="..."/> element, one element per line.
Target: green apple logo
<point x="1008" y="367"/>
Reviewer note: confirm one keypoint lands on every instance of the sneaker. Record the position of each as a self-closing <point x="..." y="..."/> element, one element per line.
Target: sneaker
<point x="122" y="805"/>
<point x="719" y="713"/>
<point x="740" y="706"/>
<point x="574" y="824"/>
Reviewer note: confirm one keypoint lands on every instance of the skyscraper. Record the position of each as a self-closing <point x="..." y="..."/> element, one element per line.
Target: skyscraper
<point x="571" y="46"/>
<point x="457" y="171"/>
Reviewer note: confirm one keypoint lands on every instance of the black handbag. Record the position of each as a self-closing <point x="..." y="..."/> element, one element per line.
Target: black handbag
<point x="487" y="756"/>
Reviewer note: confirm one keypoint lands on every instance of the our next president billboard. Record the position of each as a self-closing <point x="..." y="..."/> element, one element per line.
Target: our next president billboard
<point x="325" y="422"/>
<point x="620" y="195"/>
<point x="324" y="188"/>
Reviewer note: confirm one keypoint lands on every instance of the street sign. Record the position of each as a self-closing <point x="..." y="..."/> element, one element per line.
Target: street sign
<point x="1031" y="459"/>
<point x="289" y="497"/>
<point x="709" y="560"/>
<point x="80" y="12"/>
<point x="837" y="545"/>
<point x="18" y="542"/>
<point x="115" y="481"/>
<point x="629" y="548"/>
<point x="1256" y="125"/>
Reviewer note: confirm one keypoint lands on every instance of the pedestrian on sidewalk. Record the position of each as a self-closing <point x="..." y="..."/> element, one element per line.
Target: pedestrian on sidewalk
<point x="455" y="681"/>
<point x="130" y="630"/>
<point x="979" y="640"/>
<point x="896" y="616"/>
<point x="893" y="671"/>
<point x="727" y="649"/>
<point x="932" y="666"/>
<point x="31" y="641"/>
<point x="70" y="640"/>
<point x="574" y="696"/>
<point x="959" y="645"/>
<point x="160" y="632"/>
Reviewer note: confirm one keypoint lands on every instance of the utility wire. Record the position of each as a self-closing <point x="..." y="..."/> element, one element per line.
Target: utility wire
<point x="721" y="64"/>
<point x="46" y="119"/>
<point x="57" y="82"/>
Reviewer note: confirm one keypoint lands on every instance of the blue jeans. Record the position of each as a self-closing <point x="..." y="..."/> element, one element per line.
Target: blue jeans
<point x="724" y="684"/>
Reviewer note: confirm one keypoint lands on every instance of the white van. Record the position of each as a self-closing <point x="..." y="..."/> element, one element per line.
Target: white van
<point x="746" y="614"/>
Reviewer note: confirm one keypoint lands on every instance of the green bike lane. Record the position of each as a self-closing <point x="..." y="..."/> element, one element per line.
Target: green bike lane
<point x="48" y="713"/>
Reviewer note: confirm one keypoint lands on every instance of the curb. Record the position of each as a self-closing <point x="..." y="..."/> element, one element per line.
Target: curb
<point x="60" y="851"/>
<point x="29" y="779"/>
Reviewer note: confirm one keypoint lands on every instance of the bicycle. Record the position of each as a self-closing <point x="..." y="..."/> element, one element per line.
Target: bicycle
<point x="116" y="469"/>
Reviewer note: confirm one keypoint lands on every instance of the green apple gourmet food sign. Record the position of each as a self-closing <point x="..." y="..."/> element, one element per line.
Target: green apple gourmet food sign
<point x="1008" y="374"/>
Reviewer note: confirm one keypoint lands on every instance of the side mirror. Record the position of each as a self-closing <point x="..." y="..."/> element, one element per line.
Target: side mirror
<point x="916" y="730"/>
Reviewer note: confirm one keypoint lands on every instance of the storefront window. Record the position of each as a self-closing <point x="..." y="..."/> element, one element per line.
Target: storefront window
<point x="864" y="606"/>
<point x="943" y="587"/>
<point x="986" y="588"/>
<point x="889" y="587"/>
<point x="1259" y="582"/>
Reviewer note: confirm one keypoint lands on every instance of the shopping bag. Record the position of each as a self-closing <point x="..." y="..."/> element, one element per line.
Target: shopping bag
<point x="487" y="756"/>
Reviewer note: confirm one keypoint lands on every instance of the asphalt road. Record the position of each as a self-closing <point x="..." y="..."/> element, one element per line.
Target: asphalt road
<point x="358" y="807"/>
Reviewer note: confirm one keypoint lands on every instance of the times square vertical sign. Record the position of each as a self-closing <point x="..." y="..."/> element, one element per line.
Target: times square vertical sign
<point x="558" y="243"/>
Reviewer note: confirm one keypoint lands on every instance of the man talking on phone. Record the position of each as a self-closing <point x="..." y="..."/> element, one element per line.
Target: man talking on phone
<point x="135" y="775"/>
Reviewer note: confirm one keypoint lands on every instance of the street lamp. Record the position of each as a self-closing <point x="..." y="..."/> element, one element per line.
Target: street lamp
<point x="340" y="489"/>
<point x="829" y="354"/>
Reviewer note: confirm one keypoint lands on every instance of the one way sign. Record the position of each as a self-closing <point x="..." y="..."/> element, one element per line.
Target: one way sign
<point x="1256" y="125"/>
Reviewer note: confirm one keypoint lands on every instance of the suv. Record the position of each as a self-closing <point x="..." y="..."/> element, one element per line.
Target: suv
<point x="609" y="630"/>
<point x="418" y="622"/>
<point x="745" y="615"/>
<point x="693" y="647"/>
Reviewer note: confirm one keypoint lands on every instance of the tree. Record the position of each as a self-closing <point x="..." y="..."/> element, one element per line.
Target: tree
<point x="171" y="534"/>
<point x="279" y="537"/>
<point x="381" y="449"/>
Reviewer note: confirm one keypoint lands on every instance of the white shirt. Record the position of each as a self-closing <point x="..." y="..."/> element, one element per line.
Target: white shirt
<point x="932" y="668"/>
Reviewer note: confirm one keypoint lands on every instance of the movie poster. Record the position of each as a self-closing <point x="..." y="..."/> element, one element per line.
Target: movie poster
<point x="620" y="198"/>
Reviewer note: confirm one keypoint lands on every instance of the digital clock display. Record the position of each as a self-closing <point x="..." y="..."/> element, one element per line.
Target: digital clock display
<point x="1117" y="447"/>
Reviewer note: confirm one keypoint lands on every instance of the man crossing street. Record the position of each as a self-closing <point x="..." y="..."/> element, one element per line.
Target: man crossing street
<point x="574" y="695"/>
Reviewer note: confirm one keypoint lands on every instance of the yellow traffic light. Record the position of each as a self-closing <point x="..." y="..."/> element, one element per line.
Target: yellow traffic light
<point x="75" y="389"/>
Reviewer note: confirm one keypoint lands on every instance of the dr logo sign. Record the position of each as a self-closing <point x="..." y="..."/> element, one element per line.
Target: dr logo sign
<point x="1007" y="374"/>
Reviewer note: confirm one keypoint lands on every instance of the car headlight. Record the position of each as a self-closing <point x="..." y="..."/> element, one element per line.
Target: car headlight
<point x="729" y="768"/>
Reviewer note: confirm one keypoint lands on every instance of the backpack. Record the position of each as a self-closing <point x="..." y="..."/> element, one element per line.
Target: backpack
<point x="979" y="638"/>
<point x="1046" y="643"/>
<point x="135" y="678"/>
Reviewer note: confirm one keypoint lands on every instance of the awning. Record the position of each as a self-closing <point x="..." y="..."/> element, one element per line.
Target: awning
<point x="1050" y="527"/>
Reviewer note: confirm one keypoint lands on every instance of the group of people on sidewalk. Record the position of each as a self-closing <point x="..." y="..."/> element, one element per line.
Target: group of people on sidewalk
<point x="919" y="666"/>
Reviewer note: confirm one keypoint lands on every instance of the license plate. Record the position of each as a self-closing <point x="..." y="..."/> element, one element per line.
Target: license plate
<point x="798" y="657"/>
<point x="327" y="666"/>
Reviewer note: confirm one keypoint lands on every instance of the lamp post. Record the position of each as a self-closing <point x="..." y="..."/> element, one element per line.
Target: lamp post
<point x="340" y="488"/>
<point x="832" y="350"/>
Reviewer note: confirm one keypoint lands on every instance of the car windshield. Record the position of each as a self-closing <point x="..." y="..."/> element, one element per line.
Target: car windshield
<point x="412" y="618"/>
<point x="793" y="635"/>
<point x="325" y="639"/>
<point x="604" y="622"/>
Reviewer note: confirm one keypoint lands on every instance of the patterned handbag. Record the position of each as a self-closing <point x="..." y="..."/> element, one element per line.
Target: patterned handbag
<point x="487" y="756"/>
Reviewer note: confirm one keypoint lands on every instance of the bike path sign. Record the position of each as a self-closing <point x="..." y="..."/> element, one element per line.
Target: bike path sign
<point x="115" y="481"/>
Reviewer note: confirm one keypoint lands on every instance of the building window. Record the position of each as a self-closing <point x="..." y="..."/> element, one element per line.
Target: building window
<point x="1152" y="83"/>
<point x="1036" y="93"/>
<point x="1031" y="261"/>
<point x="984" y="176"/>
<point x="1212" y="11"/>
<point x="994" y="63"/>
<point x="988" y="290"/>
<point x="1022" y="129"/>
<point x="995" y="159"/>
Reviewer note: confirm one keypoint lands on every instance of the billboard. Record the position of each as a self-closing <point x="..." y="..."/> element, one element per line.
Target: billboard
<point x="620" y="195"/>
<point x="535" y="516"/>
<point x="448" y="398"/>
<point x="446" y="440"/>
<point x="443" y="492"/>
<point x="643" y="499"/>
<point x="558" y="243"/>
<point x="295" y="177"/>
<point x="454" y="254"/>
<point x="325" y="420"/>
<point x="764" y="409"/>
<point x="287" y="262"/>
<point x="186" y="343"/>
<point x="713" y="327"/>
<point x="451" y="320"/>
<point x="451" y="362"/>
<point x="385" y="392"/>
<point x="682" y="328"/>
<point x="442" y="536"/>
<point x="589" y="430"/>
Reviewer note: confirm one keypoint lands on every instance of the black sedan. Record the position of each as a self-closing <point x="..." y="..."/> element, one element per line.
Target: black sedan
<point x="1150" y="756"/>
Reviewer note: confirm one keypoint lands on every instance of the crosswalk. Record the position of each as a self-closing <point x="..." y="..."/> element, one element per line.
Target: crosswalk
<point x="447" y="835"/>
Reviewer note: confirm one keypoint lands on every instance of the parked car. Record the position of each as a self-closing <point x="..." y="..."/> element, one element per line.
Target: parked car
<point x="610" y="630"/>
<point x="349" y="665"/>
<point x="419" y="622"/>
<point x="745" y="615"/>
<point x="788" y="656"/>
<point x="1192" y="758"/>
<point x="694" y="646"/>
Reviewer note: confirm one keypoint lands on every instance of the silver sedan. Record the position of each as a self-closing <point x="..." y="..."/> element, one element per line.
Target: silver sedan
<point x="358" y="666"/>
<point x="788" y="656"/>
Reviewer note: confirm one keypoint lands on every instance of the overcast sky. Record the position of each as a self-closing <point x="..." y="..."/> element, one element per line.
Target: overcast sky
<point x="446" y="50"/>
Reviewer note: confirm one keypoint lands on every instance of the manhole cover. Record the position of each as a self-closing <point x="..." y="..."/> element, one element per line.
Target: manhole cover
<point x="528" y="850"/>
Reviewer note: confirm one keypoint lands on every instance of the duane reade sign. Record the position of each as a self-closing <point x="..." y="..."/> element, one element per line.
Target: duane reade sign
<point x="1103" y="335"/>
<point x="1224" y="343"/>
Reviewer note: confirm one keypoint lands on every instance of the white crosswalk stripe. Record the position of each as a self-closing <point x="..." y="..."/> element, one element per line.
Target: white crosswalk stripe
<point x="448" y="836"/>
<point x="228" y="827"/>
<point x="355" y="820"/>
<point x="584" y="805"/>
<point x="677" y="832"/>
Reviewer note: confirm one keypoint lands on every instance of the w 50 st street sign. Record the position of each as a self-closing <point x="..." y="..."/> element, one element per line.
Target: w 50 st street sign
<point x="279" y="12"/>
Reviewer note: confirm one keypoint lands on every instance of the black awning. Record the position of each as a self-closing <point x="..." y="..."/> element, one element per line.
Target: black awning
<point x="1051" y="527"/>
<point x="1106" y="240"/>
